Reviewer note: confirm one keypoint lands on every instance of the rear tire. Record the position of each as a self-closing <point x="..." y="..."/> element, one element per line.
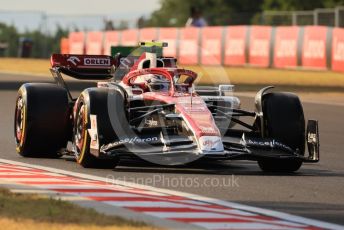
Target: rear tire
<point x="284" y="121"/>
<point x="41" y="120"/>
<point x="94" y="101"/>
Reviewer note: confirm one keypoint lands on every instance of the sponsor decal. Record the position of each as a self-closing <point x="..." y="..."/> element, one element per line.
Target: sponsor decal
<point x="151" y="122"/>
<point x="93" y="131"/>
<point x="126" y="63"/>
<point x="259" y="143"/>
<point x="210" y="143"/>
<point x="197" y="105"/>
<point x="235" y="47"/>
<point x="195" y="109"/>
<point x="338" y="51"/>
<point x="314" y="49"/>
<point x="215" y="98"/>
<point x="74" y="60"/>
<point x="265" y="144"/>
<point x="133" y="140"/>
<point x="260" y="48"/>
<point x="97" y="61"/>
<point x="209" y="130"/>
<point x="187" y="100"/>
<point x="312" y="138"/>
<point x="287" y="48"/>
<point x="136" y="140"/>
<point x="179" y="94"/>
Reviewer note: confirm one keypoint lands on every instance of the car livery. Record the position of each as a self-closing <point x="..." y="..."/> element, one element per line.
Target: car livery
<point x="149" y="108"/>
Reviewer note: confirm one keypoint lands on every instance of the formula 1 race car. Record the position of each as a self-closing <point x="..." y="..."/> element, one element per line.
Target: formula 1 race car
<point x="146" y="107"/>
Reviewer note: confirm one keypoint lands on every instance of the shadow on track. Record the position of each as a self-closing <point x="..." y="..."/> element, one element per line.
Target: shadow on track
<point x="239" y="168"/>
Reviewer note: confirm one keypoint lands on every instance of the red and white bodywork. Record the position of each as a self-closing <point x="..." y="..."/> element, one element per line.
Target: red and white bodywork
<point x="188" y="105"/>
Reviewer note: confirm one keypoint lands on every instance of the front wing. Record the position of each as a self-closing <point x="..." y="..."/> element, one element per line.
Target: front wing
<point x="235" y="148"/>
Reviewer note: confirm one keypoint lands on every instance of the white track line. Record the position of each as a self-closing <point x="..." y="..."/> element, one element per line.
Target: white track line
<point x="149" y="204"/>
<point x="189" y="215"/>
<point x="102" y="194"/>
<point x="38" y="180"/>
<point x="33" y="191"/>
<point x="245" y="226"/>
<point x="276" y="214"/>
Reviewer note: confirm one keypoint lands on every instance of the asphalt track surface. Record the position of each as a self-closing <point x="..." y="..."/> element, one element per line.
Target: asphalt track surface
<point x="315" y="191"/>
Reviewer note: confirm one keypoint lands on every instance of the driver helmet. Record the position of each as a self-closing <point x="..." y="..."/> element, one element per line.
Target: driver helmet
<point x="158" y="83"/>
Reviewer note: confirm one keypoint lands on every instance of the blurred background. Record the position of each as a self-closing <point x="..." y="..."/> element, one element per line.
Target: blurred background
<point x="39" y="25"/>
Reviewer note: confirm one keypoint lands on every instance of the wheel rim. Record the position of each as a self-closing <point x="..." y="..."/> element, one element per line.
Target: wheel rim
<point x="80" y="127"/>
<point x="19" y="120"/>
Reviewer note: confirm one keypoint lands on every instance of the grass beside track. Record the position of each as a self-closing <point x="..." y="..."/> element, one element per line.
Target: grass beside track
<point x="214" y="75"/>
<point x="24" y="65"/>
<point x="31" y="212"/>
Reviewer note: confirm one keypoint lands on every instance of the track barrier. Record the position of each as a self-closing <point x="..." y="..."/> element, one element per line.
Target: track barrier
<point x="309" y="47"/>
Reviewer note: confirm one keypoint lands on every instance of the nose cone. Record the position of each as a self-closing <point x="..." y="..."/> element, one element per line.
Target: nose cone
<point x="211" y="144"/>
<point x="197" y="116"/>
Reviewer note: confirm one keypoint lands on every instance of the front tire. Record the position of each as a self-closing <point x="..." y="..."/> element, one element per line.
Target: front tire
<point x="94" y="101"/>
<point x="283" y="121"/>
<point x="41" y="120"/>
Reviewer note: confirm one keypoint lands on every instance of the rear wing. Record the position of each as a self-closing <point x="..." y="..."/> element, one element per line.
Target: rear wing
<point x="98" y="67"/>
<point x="84" y="67"/>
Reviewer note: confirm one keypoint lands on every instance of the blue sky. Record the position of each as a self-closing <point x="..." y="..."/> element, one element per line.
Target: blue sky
<point x="28" y="14"/>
